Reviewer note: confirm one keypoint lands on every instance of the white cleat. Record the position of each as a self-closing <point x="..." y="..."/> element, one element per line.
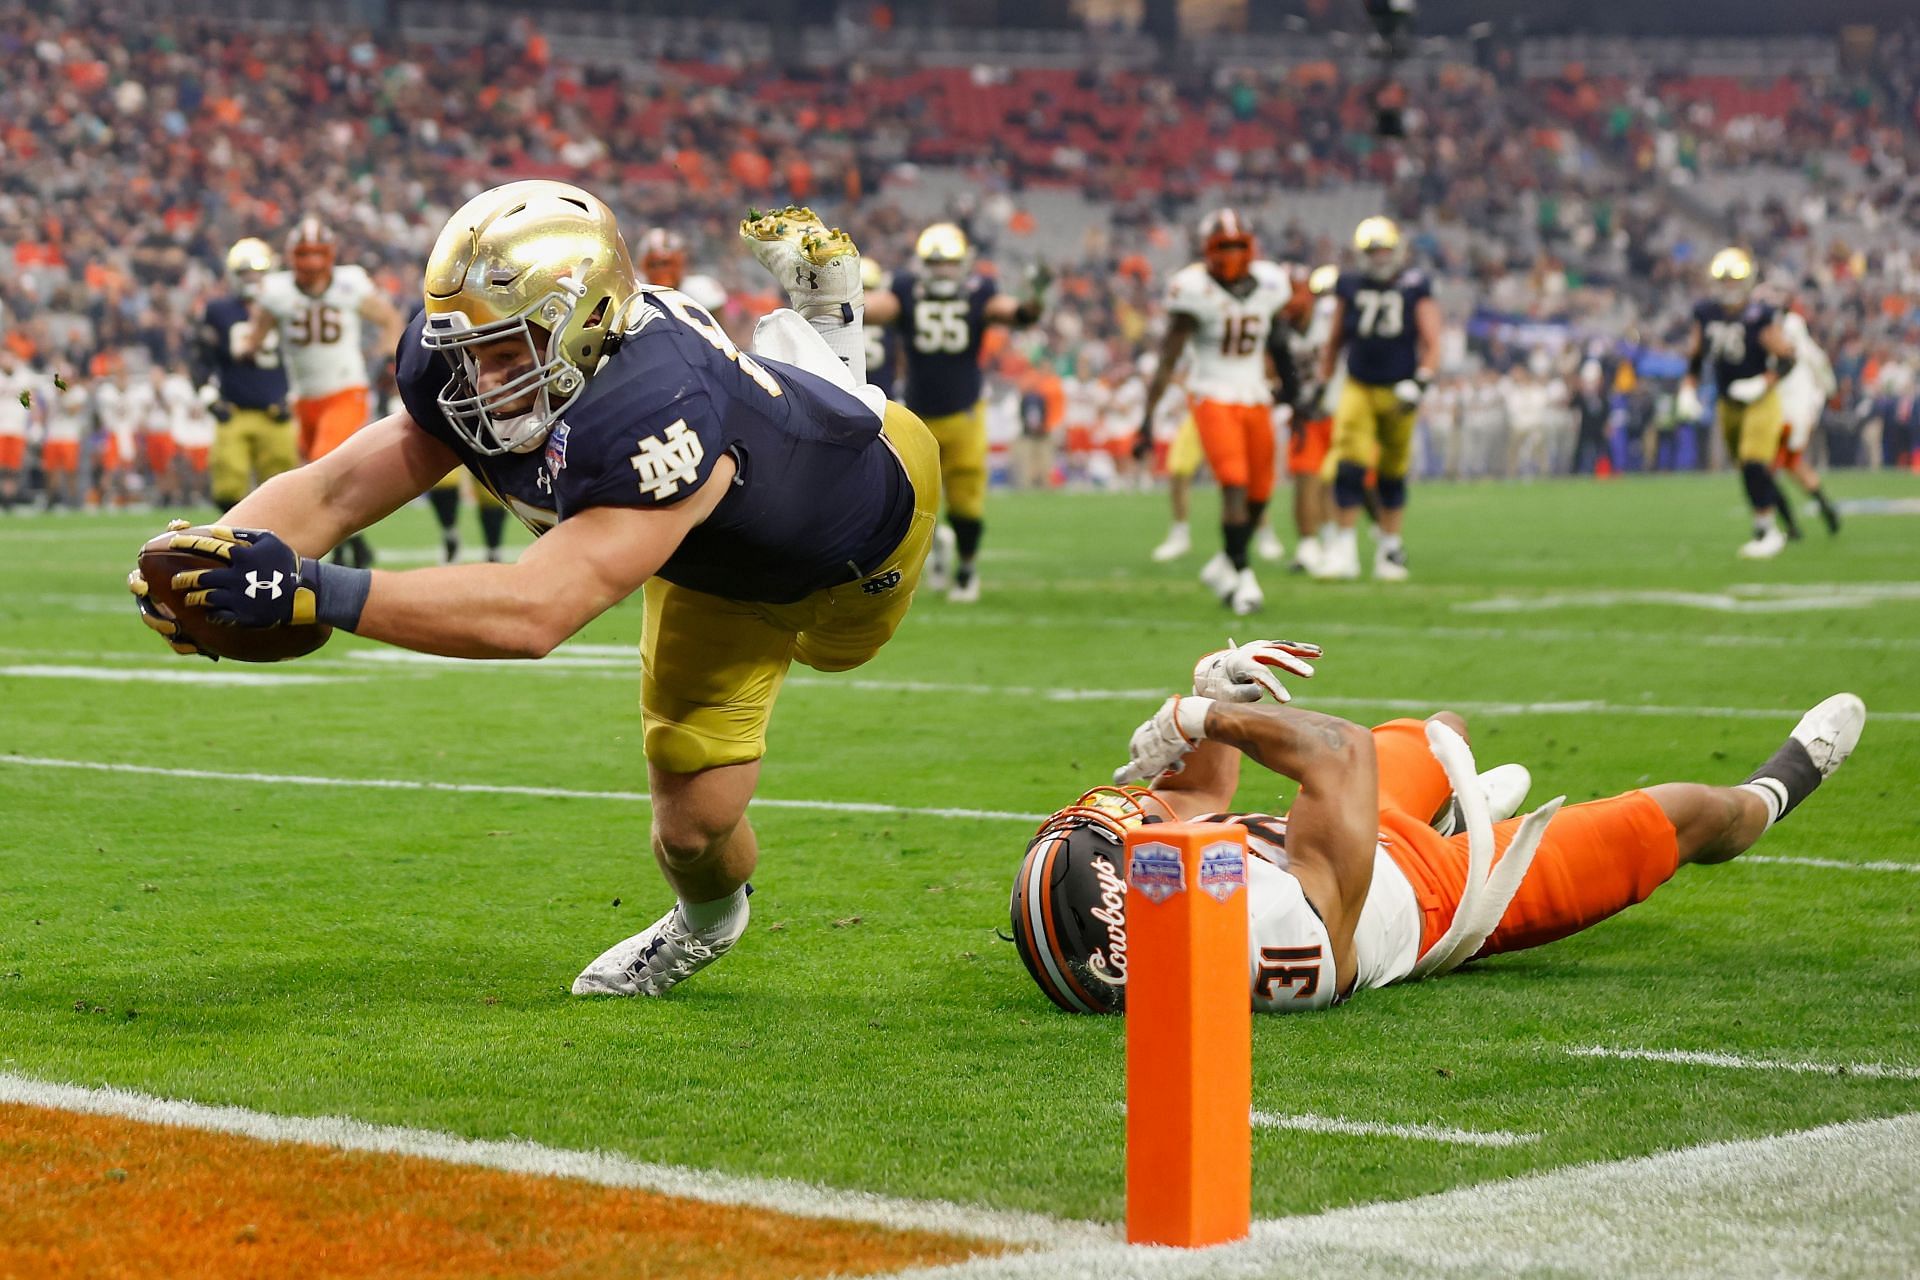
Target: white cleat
<point x="1338" y="563"/>
<point x="1766" y="546"/>
<point x="1267" y="545"/>
<point x="1247" y="596"/>
<point x="1218" y="576"/>
<point x="1176" y="544"/>
<point x="941" y="558"/>
<point x="965" y="589"/>
<point x="1390" y="566"/>
<point x="652" y="962"/>
<point x="1830" y="731"/>
<point x="1306" y="557"/>
<point x="1506" y="786"/>
<point x="818" y="265"/>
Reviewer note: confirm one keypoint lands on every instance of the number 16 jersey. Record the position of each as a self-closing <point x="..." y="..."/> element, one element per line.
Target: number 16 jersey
<point x="1229" y="349"/>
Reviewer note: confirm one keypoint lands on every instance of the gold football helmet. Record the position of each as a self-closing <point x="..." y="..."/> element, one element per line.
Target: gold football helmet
<point x="247" y="262"/>
<point x="1377" y="241"/>
<point x="1733" y="275"/>
<point x="1323" y="278"/>
<point x="944" y="257"/>
<point x="539" y="261"/>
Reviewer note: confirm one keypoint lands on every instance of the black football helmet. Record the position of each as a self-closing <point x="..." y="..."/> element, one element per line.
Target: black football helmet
<point x="1070" y="899"/>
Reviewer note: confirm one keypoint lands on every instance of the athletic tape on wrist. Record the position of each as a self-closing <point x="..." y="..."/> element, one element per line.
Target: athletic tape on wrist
<point x="339" y="592"/>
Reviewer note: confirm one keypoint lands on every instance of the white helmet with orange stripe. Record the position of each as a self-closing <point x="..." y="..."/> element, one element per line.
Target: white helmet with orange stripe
<point x="310" y="252"/>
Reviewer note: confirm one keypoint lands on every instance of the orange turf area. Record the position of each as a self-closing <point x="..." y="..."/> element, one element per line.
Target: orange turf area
<point x="95" y="1196"/>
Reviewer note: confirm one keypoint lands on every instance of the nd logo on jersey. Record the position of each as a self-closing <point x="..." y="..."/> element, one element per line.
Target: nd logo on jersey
<point x="669" y="460"/>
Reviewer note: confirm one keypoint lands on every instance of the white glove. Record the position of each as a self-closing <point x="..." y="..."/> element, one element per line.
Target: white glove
<point x="1243" y="672"/>
<point x="1161" y="744"/>
<point x="1408" y="392"/>
<point x="1747" y="390"/>
<point x="1686" y="404"/>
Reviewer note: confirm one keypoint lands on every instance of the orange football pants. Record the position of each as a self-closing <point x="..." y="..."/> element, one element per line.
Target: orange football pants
<point x="13" y="452"/>
<point x="159" y="451"/>
<point x="327" y="421"/>
<point x="1238" y="439"/>
<point x="1307" y="446"/>
<point x="60" y="456"/>
<point x="1598" y="858"/>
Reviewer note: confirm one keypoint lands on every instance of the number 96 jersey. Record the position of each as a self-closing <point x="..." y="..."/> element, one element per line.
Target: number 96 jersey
<point x="1378" y="326"/>
<point x="1229" y="348"/>
<point x="319" y="333"/>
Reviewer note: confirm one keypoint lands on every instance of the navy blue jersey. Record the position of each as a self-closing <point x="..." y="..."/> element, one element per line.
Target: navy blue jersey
<point x="255" y="383"/>
<point x="942" y="333"/>
<point x="1380" y="334"/>
<point x="883" y="357"/>
<point x="819" y="499"/>
<point x="1732" y="338"/>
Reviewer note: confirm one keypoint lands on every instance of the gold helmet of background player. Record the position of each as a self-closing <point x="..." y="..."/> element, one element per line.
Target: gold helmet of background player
<point x="1382" y="251"/>
<point x="539" y="261"/>
<point x="872" y="276"/>
<point x="943" y="252"/>
<point x="1324" y="277"/>
<point x="1733" y="274"/>
<point x="248" y="261"/>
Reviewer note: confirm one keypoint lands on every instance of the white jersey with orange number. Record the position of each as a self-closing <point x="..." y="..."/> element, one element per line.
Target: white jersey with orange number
<point x="18" y="391"/>
<point x="123" y="411"/>
<point x="320" y="333"/>
<point x="1229" y="349"/>
<point x="1290" y="958"/>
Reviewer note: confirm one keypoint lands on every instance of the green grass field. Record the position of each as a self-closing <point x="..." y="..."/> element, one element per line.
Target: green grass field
<point x="403" y="955"/>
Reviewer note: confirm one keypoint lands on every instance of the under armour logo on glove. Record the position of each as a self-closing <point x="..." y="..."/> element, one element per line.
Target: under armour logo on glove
<point x="811" y="279"/>
<point x="255" y="586"/>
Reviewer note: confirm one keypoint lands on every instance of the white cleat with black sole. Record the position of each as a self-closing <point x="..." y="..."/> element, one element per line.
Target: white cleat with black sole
<point x="1267" y="545"/>
<point x="1506" y="786"/>
<point x="1176" y="544"/>
<point x="1218" y="576"/>
<point x="941" y="559"/>
<point x="1247" y="596"/>
<point x="1764" y="546"/>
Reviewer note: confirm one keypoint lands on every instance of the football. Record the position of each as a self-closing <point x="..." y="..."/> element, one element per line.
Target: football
<point x="159" y="562"/>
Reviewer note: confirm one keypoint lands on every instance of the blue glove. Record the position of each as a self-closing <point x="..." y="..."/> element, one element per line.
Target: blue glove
<point x="259" y="582"/>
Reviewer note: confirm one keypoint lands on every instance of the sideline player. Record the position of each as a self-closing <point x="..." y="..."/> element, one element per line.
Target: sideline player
<point x="317" y="307"/>
<point x="769" y="512"/>
<point x="1804" y="391"/>
<point x="68" y="423"/>
<point x="1750" y="353"/>
<point x="1387" y="326"/>
<point x="244" y="387"/>
<point x="1353" y="887"/>
<point x="942" y="313"/>
<point x="1310" y="432"/>
<point x="663" y="261"/>
<point x="1225" y="305"/>
<point x="20" y="394"/>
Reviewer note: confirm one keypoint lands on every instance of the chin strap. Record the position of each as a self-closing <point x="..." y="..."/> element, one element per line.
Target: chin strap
<point x="1490" y="886"/>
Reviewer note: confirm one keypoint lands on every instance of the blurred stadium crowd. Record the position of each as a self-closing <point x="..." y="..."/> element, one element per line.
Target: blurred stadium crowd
<point x="1566" y="199"/>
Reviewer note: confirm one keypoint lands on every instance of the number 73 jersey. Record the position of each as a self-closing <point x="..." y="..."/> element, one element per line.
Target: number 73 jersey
<point x="1229" y="349"/>
<point x="319" y="333"/>
<point x="1377" y="324"/>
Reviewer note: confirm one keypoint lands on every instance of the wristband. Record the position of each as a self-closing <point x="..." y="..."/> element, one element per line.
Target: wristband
<point x="339" y="592"/>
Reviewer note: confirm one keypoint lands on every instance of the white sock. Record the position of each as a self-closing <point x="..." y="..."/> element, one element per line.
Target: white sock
<point x="844" y="329"/>
<point x="724" y="919"/>
<point x="1389" y="542"/>
<point x="1177" y="529"/>
<point x="1772" y="792"/>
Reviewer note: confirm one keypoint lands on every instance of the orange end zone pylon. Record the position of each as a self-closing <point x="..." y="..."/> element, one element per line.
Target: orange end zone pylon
<point x="1189" y="1036"/>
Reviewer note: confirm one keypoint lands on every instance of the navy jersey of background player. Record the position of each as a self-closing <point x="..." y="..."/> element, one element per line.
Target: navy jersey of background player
<point x="942" y="334"/>
<point x="819" y="499"/>
<point x="883" y="357"/>
<point x="1733" y="338"/>
<point x="256" y="383"/>
<point x="1378" y="328"/>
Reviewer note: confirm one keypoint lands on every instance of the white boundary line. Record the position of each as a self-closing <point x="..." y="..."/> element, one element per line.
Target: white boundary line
<point x="481" y="788"/>
<point x="1832" y="1201"/>
<point x="805" y="1200"/>
<point x="182" y="675"/>
<point x="1697" y="1058"/>
<point x="1369" y="1129"/>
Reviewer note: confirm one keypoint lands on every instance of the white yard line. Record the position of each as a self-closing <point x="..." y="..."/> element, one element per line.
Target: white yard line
<point x="1830" y="864"/>
<point x="1829" y="1202"/>
<point x="482" y="788"/>
<point x="1369" y="1129"/>
<point x="605" y="1169"/>
<point x="1697" y="1058"/>
<point x="162" y="675"/>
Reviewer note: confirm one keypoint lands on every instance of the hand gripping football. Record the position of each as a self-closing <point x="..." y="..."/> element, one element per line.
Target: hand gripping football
<point x="171" y="552"/>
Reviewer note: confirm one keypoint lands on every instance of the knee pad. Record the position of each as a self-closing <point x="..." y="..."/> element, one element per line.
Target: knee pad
<point x="1349" y="486"/>
<point x="1393" y="492"/>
